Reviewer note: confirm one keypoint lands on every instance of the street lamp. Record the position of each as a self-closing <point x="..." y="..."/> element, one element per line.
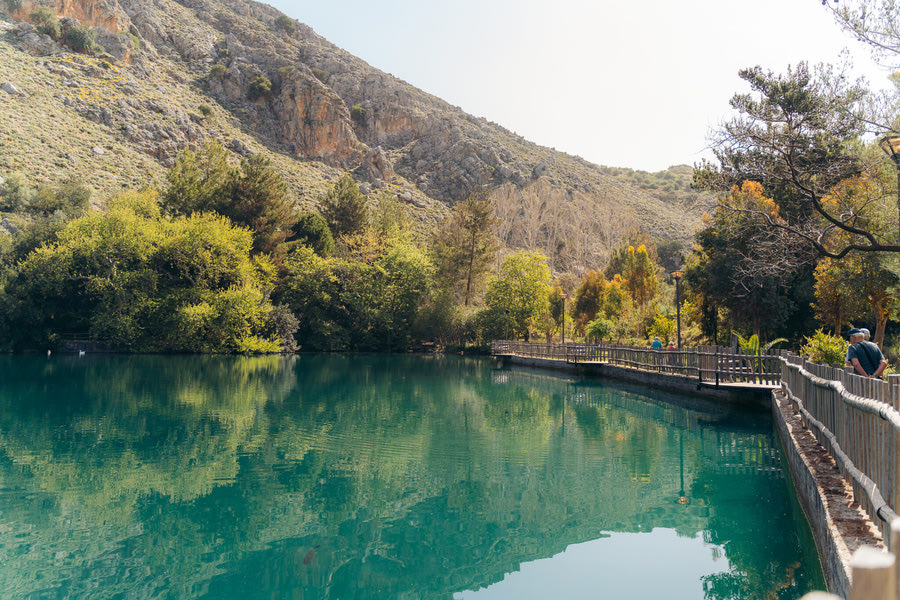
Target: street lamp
<point x="891" y="146"/>
<point x="678" y="275"/>
<point x="562" y="296"/>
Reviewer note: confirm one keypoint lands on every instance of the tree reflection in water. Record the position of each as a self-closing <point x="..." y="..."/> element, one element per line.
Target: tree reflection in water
<point x="365" y="477"/>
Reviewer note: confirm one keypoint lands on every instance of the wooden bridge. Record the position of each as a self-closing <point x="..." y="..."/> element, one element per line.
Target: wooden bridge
<point x="710" y="366"/>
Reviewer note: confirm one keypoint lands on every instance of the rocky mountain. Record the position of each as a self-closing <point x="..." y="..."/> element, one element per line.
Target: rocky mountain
<point x="171" y="75"/>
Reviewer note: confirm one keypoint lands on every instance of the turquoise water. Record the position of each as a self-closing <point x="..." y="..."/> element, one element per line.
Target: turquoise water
<point x="364" y="477"/>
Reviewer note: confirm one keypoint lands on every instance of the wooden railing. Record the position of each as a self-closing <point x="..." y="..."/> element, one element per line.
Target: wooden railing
<point x="857" y="420"/>
<point x="708" y="364"/>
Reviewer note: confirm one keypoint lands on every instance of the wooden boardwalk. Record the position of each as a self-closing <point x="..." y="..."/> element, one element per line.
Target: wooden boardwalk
<point x="709" y="367"/>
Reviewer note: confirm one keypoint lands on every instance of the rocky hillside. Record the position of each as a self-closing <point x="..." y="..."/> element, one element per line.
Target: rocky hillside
<point x="171" y="75"/>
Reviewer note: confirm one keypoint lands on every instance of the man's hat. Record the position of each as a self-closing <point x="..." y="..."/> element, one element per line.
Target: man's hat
<point x="853" y="331"/>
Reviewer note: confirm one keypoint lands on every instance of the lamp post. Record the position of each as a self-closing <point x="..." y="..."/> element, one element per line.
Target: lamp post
<point x="891" y="146"/>
<point x="562" y="296"/>
<point x="678" y="275"/>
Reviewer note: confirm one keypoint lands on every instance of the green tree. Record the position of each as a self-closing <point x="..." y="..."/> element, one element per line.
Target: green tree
<point x="855" y="288"/>
<point x="664" y="327"/>
<point x="146" y="283"/>
<point x="590" y="296"/>
<point x="463" y="248"/>
<point x="312" y="230"/>
<point x="639" y="275"/>
<point x="522" y="287"/>
<point x="797" y="135"/>
<point x="197" y="181"/>
<point x="252" y="195"/>
<point x="258" y="198"/>
<point x="45" y="22"/>
<point x="344" y="207"/>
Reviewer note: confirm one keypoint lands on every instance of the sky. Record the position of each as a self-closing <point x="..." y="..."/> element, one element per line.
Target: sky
<point x="631" y="83"/>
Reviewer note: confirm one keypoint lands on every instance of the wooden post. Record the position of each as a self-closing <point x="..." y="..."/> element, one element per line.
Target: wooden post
<point x="873" y="574"/>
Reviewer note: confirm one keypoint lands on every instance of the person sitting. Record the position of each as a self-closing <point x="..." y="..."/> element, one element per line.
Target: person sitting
<point x="865" y="357"/>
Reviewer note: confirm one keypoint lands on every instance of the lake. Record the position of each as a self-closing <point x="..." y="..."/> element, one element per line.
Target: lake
<point x="379" y="477"/>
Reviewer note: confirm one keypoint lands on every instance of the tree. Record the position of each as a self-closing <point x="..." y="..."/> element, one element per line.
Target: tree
<point x="252" y="194"/>
<point x="344" y="207"/>
<point x="145" y="283"/>
<point x="639" y="275"/>
<point x="258" y="198"/>
<point x="795" y="135"/>
<point x="197" y="181"/>
<point x="463" y="249"/>
<point x="857" y="287"/>
<point x="521" y="287"/>
<point x="312" y="230"/>
<point x="874" y="22"/>
<point x="590" y="296"/>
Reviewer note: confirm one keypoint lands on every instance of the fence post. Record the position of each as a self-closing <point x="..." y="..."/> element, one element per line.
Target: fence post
<point x="873" y="574"/>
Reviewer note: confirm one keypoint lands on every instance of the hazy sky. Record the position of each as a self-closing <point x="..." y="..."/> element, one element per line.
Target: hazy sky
<point x="631" y="83"/>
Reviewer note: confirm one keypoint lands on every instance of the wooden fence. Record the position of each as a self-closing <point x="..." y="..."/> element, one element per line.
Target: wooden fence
<point x="857" y="420"/>
<point x="707" y="364"/>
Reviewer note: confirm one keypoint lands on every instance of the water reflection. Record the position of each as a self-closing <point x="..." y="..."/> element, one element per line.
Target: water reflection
<point x="369" y="477"/>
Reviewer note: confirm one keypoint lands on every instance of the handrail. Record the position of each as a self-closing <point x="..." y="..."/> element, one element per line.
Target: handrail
<point x="879" y="505"/>
<point x="707" y="364"/>
<point x="857" y="420"/>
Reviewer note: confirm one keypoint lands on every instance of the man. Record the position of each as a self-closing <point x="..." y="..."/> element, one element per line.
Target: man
<point x="657" y="344"/>
<point x="865" y="357"/>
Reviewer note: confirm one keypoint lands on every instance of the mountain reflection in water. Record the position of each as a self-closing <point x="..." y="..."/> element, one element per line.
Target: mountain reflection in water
<point x="358" y="476"/>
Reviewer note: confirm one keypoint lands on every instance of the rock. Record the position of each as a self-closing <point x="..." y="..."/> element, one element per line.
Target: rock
<point x="98" y="151"/>
<point x="539" y="170"/>
<point x="71" y="159"/>
<point x="8" y="227"/>
<point x="313" y="117"/>
<point x="10" y="89"/>
<point x="2" y="181"/>
<point x="378" y="166"/>
<point x="239" y="147"/>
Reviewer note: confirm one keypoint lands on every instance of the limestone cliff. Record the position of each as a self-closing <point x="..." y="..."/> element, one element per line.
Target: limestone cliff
<point x="294" y="94"/>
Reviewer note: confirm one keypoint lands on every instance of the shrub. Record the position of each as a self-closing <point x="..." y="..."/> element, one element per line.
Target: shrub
<point x="285" y="24"/>
<point x="358" y="113"/>
<point x="45" y="22"/>
<point x="218" y="72"/>
<point x="599" y="329"/>
<point x="821" y="347"/>
<point x="80" y="38"/>
<point x="320" y="74"/>
<point x="12" y="5"/>
<point x="283" y="72"/>
<point x="205" y="110"/>
<point x="259" y="87"/>
<point x="106" y="64"/>
<point x="135" y="41"/>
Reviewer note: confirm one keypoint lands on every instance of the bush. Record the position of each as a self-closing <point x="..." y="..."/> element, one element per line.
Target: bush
<point x="283" y="72"/>
<point x="599" y="329"/>
<point x="12" y="5"/>
<point x="823" y="348"/>
<point x="80" y="38"/>
<point x="205" y="110"/>
<point x="358" y="113"/>
<point x="218" y="72"/>
<point x="320" y="74"/>
<point x="135" y="41"/>
<point x="45" y="22"/>
<point x="259" y="88"/>
<point x="285" y="24"/>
